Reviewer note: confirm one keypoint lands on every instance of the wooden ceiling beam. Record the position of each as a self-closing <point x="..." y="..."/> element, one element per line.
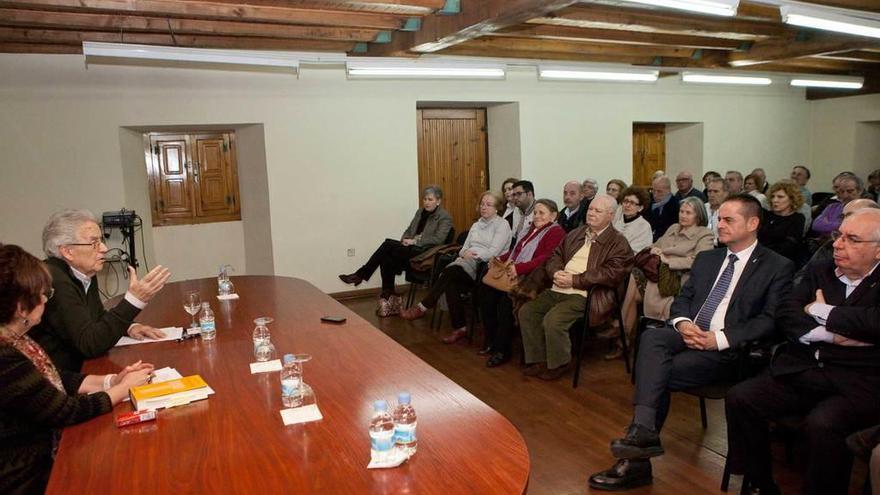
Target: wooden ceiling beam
<point x="521" y="44"/>
<point x="768" y="51"/>
<point x="397" y="7"/>
<point x="32" y="18"/>
<point x="854" y="56"/>
<point x="661" y="22"/>
<point x="219" y="11"/>
<point x="866" y="5"/>
<point x="615" y="36"/>
<point x="39" y="48"/>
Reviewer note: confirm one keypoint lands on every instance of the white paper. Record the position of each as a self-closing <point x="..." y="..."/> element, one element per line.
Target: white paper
<point x="227" y="297"/>
<point x="266" y="366"/>
<point x="396" y="458"/>
<point x="302" y="414"/>
<point x="171" y="333"/>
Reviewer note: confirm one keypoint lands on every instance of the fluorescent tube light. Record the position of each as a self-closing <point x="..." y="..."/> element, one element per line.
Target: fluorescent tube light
<point x="586" y="74"/>
<point x="725" y="8"/>
<point x="690" y="77"/>
<point x="829" y="19"/>
<point x="395" y="69"/>
<point x="290" y="60"/>
<point x="829" y="82"/>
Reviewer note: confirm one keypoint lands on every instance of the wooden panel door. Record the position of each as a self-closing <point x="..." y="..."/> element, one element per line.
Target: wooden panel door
<point x="452" y="148"/>
<point x="170" y="178"/>
<point x="215" y="182"/>
<point x="649" y="152"/>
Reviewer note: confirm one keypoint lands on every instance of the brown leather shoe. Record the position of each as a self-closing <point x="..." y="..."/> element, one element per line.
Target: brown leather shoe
<point x="352" y="278"/>
<point x="455" y="336"/>
<point x="535" y="369"/>
<point x="556" y="373"/>
<point x="413" y="313"/>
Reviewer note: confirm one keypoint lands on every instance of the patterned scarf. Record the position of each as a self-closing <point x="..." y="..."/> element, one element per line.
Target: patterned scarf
<point x="36" y="354"/>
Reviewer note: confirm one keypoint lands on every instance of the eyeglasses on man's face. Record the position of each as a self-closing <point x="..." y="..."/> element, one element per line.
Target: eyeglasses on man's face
<point x="850" y="239"/>
<point x="95" y="244"/>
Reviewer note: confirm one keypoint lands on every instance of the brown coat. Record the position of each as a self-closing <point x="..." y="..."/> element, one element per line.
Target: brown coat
<point x="609" y="264"/>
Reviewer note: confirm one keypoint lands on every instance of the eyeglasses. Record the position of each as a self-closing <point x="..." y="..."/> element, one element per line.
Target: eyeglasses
<point x="850" y="239"/>
<point x="94" y="244"/>
<point x="517" y="194"/>
<point x="630" y="202"/>
<point x="49" y="293"/>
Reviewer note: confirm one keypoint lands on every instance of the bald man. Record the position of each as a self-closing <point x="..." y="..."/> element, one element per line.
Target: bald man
<point x="573" y="215"/>
<point x="684" y="182"/>
<point x="826" y="370"/>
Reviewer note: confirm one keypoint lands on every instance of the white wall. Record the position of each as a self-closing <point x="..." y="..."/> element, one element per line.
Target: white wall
<point x="505" y="157"/>
<point x="684" y="151"/>
<point x="840" y="139"/>
<point x="341" y="155"/>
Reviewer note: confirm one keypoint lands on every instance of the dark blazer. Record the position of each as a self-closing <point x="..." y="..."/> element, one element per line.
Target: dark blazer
<point x="856" y="317"/>
<point x="661" y="221"/>
<point x="753" y="305"/>
<point x="573" y="222"/>
<point x="693" y="193"/>
<point x="75" y="325"/>
<point x="436" y="228"/>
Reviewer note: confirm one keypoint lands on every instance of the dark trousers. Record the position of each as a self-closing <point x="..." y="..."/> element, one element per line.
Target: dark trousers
<point x="665" y="364"/>
<point x="454" y="282"/>
<point x="497" y="310"/>
<point x="391" y="258"/>
<point x="830" y="417"/>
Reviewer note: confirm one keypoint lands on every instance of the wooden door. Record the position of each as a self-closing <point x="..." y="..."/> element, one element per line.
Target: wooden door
<point x="214" y="180"/>
<point x="649" y="152"/>
<point x="170" y="177"/>
<point x="453" y="154"/>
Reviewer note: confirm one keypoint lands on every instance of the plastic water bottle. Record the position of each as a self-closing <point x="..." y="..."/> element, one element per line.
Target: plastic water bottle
<point x="206" y="322"/>
<point x="381" y="433"/>
<point x="404" y="417"/>
<point x="291" y="379"/>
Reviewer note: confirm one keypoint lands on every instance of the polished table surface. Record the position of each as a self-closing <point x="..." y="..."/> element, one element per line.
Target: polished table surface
<point x="235" y="442"/>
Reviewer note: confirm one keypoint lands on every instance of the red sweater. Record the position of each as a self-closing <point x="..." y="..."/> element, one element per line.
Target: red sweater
<point x="545" y="248"/>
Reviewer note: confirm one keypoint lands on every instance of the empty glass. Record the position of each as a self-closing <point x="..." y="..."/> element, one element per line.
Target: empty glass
<point x="264" y="350"/>
<point x="192" y="303"/>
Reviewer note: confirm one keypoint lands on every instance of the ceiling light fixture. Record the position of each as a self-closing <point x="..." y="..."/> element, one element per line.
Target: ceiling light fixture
<point x="725" y="8"/>
<point x="418" y="69"/>
<point x="289" y="60"/>
<point x="556" y="73"/>
<point x="828" y="82"/>
<point x="691" y="77"/>
<point x="832" y="19"/>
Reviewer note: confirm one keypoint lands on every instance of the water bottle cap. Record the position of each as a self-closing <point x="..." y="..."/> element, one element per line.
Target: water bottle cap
<point x="206" y="305"/>
<point x="288" y="358"/>
<point x="380" y="405"/>
<point x="403" y="398"/>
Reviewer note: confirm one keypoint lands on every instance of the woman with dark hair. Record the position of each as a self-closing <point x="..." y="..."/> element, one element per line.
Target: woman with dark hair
<point x="429" y="227"/>
<point x="38" y="400"/>
<point x="507" y="192"/>
<point x="629" y="219"/>
<point x="529" y="253"/>
<point x="753" y="184"/>
<point x="615" y="188"/>
<point x="489" y="237"/>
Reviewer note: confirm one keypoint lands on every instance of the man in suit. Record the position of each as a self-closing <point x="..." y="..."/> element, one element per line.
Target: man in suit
<point x="573" y="215"/>
<point x="730" y="298"/>
<point x="664" y="211"/>
<point x="828" y="369"/>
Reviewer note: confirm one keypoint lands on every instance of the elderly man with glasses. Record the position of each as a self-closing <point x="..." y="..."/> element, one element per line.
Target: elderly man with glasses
<point x="75" y="325"/>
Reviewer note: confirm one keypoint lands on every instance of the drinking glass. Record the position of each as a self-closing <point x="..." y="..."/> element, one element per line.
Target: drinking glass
<point x="192" y="303"/>
<point x="305" y="396"/>
<point x="264" y="350"/>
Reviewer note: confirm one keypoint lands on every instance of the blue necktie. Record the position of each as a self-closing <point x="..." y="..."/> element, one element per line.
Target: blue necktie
<point x="704" y="317"/>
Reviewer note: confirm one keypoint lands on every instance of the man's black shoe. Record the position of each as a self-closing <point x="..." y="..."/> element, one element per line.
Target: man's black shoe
<point x="639" y="443"/>
<point x="766" y="488"/>
<point x="626" y="474"/>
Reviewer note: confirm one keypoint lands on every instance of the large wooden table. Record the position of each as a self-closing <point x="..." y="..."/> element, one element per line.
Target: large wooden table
<point x="235" y="441"/>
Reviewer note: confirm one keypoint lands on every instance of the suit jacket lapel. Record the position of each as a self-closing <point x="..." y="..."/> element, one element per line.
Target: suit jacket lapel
<point x="750" y="269"/>
<point x="703" y="286"/>
<point x="866" y="286"/>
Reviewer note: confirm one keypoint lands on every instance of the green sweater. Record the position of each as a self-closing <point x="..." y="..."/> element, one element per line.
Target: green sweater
<point x="75" y="325"/>
<point x="30" y="409"/>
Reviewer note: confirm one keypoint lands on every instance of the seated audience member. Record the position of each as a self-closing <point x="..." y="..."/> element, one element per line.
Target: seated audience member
<point x="594" y="257"/>
<point x="826" y="369"/>
<point x="38" y="399"/>
<point x="510" y="213"/>
<point x="429" y="227"/>
<point x="529" y="254"/>
<point x="752" y="185"/>
<point x="684" y="182"/>
<point x="524" y="198"/>
<point x="783" y="227"/>
<point x="572" y="216"/>
<point x="489" y="237"/>
<point x="826" y="250"/>
<point x="847" y="188"/>
<point x="708" y="177"/>
<point x="730" y="298"/>
<point x="717" y="192"/>
<point x="866" y="445"/>
<point x="801" y="175"/>
<point x="664" y="210"/>
<point x="614" y="188"/>
<point x="628" y="219"/>
<point x="873" y="190"/>
<point x="761" y="178"/>
<point x="76" y="326"/>
<point x="677" y="249"/>
<point x="589" y="188"/>
<point x="734" y="182"/>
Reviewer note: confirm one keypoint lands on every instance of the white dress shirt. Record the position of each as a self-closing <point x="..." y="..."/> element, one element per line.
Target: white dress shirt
<point x="86" y="281"/>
